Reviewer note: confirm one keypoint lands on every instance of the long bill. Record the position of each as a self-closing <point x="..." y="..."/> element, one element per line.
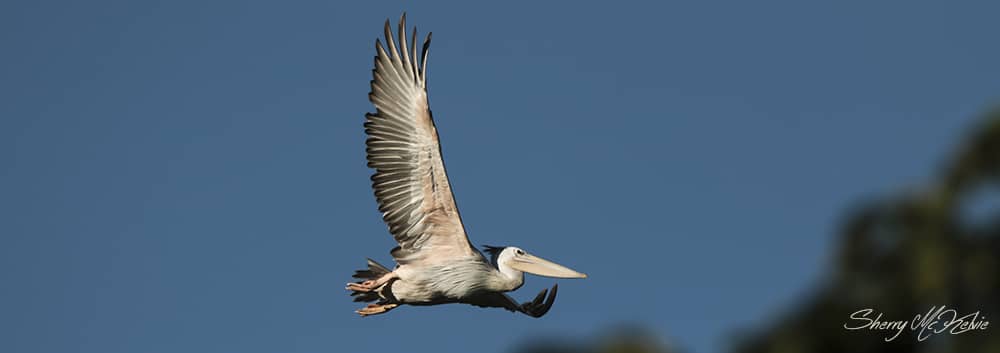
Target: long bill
<point x="542" y="267"/>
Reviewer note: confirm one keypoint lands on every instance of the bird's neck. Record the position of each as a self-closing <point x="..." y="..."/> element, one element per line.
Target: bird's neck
<point x="507" y="279"/>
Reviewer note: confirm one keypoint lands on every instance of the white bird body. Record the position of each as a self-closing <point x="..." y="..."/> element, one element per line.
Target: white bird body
<point x="460" y="279"/>
<point x="436" y="262"/>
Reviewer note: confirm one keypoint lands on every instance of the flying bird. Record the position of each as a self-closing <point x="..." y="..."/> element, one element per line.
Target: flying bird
<point x="436" y="263"/>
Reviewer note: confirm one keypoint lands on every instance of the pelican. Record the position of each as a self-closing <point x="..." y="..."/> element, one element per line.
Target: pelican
<point x="436" y="263"/>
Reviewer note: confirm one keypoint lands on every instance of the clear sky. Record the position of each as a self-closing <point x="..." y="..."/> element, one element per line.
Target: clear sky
<point x="189" y="176"/>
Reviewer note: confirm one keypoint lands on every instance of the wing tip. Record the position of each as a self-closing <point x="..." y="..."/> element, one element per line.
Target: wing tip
<point x="405" y="54"/>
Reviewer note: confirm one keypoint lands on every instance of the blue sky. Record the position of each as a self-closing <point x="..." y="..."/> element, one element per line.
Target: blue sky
<point x="189" y="176"/>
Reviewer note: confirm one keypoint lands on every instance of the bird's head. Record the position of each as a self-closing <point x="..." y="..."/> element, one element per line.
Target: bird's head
<point x="514" y="258"/>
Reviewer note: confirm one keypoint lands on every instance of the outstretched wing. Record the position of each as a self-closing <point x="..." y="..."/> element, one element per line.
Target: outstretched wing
<point x="535" y="308"/>
<point x="410" y="182"/>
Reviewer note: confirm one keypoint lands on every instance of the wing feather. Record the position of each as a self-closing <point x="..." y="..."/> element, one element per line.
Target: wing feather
<point x="535" y="308"/>
<point x="410" y="182"/>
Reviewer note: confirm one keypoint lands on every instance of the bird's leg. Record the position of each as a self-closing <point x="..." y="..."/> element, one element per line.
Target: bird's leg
<point x="375" y="309"/>
<point x="370" y="285"/>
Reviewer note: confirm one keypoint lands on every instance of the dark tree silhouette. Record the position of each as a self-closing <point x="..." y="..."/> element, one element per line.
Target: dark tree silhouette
<point x="900" y="256"/>
<point x="624" y="339"/>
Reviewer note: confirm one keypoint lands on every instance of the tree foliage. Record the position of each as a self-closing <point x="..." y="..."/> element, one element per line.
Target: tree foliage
<point x="899" y="256"/>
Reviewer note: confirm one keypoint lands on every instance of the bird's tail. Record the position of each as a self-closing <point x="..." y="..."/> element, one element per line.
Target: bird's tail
<point x="373" y="272"/>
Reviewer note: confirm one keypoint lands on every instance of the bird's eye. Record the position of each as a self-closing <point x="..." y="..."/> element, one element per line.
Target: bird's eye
<point x="519" y="252"/>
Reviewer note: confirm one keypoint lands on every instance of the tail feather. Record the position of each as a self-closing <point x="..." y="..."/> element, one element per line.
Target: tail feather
<point x="374" y="271"/>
